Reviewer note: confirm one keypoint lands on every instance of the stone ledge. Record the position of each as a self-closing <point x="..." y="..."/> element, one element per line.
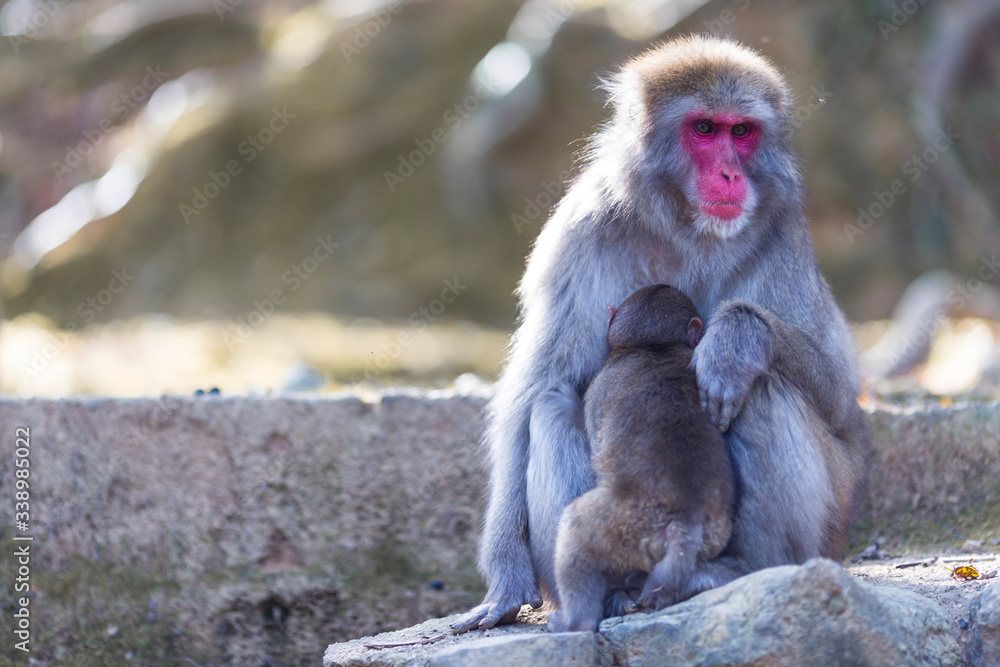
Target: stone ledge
<point x="283" y="524"/>
<point x="812" y="614"/>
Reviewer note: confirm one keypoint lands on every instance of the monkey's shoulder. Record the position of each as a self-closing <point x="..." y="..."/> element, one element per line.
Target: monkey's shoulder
<point x="662" y="371"/>
<point x="668" y="359"/>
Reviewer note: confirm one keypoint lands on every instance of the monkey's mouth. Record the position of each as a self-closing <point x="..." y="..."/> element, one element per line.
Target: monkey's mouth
<point x="727" y="210"/>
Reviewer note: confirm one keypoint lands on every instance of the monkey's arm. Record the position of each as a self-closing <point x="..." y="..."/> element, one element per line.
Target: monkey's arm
<point x="554" y="354"/>
<point x="744" y="341"/>
<point x="504" y="553"/>
<point x="540" y="462"/>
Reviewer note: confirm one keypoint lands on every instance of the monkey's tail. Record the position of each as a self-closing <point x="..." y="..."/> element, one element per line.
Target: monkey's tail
<point x="677" y="547"/>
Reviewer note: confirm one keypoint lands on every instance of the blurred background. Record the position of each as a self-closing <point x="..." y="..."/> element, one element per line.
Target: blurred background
<point x="287" y="195"/>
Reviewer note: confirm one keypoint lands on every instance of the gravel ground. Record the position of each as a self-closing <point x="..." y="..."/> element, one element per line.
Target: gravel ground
<point x="935" y="581"/>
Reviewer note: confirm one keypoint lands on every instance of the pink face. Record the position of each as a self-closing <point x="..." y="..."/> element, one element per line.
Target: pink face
<point x="718" y="145"/>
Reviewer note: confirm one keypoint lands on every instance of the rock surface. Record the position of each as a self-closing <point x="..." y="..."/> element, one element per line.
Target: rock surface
<point x="421" y="643"/>
<point x="932" y="578"/>
<point x="242" y="530"/>
<point x="934" y="464"/>
<point x="226" y="529"/>
<point x="984" y="644"/>
<point x="513" y="650"/>
<point x="813" y="614"/>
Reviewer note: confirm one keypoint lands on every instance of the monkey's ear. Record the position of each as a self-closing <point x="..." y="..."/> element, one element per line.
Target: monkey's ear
<point x="695" y="327"/>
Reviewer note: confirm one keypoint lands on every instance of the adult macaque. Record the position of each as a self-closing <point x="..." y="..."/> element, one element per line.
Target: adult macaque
<point x="691" y="184"/>
<point x="665" y="490"/>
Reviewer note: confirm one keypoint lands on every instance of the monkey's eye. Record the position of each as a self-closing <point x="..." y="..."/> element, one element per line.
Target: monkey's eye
<point x="703" y="127"/>
<point x="740" y="130"/>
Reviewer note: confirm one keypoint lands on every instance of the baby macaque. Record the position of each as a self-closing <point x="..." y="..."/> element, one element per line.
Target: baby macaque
<point x="664" y="499"/>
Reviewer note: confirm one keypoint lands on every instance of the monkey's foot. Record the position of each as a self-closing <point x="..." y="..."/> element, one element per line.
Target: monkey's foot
<point x="624" y="599"/>
<point x="558" y="622"/>
<point x="490" y="614"/>
<point x="659" y="598"/>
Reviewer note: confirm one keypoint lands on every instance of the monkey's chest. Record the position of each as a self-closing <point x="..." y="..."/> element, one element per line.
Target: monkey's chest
<point x="662" y="265"/>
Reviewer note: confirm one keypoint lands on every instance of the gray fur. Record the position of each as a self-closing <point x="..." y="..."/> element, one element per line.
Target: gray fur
<point x="776" y="365"/>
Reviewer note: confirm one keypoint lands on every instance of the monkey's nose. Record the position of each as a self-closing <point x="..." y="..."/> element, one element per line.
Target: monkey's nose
<point x="730" y="174"/>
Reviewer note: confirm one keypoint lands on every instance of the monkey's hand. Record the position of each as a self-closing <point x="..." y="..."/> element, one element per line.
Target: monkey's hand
<point x="496" y="610"/>
<point x="735" y="350"/>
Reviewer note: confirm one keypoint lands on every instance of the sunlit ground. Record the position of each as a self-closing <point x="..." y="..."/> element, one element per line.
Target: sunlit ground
<point x="961" y="363"/>
<point x="156" y="355"/>
<point x="159" y="355"/>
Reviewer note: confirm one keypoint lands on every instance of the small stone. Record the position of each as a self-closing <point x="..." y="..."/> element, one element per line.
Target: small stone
<point x="301" y="377"/>
<point x="972" y="546"/>
<point x="870" y="553"/>
<point x="963" y="624"/>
